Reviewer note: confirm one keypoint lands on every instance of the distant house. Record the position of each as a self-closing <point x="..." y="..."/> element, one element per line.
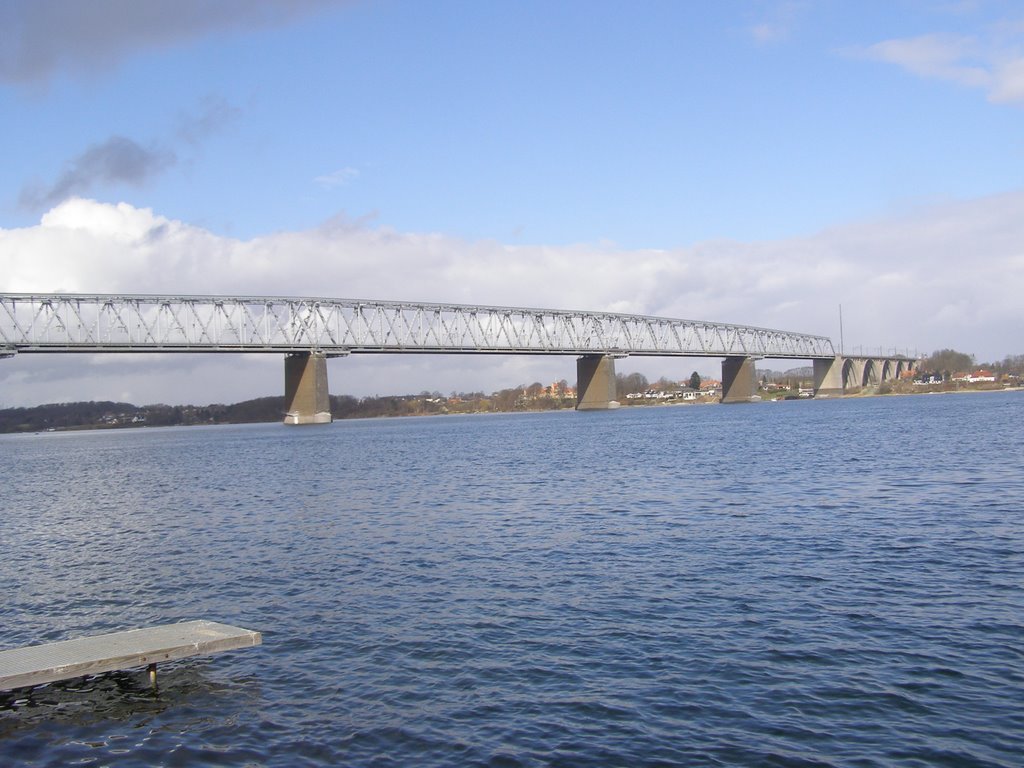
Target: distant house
<point x="973" y="378"/>
<point x="710" y="388"/>
<point x="981" y="375"/>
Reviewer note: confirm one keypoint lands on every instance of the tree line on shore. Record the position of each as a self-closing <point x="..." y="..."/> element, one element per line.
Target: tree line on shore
<point x="113" y="415"/>
<point x="944" y="363"/>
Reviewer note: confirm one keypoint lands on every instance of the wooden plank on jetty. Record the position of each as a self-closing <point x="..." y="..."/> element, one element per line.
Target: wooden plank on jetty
<point x="39" y="664"/>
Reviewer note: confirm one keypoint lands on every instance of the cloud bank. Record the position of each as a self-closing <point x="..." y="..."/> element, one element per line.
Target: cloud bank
<point x="943" y="277"/>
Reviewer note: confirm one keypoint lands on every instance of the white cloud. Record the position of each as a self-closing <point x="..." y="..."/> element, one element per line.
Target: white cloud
<point x="949" y="276"/>
<point x="939" y="56"/>
<point x="991" y="63"/>
<point x="1008" y="82"/>
<point x="779" y="22"/>
<point x="769" y="33"/>
<point x="337" y="178"/>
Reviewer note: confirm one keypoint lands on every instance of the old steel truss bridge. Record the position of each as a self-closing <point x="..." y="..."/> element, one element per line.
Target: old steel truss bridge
<point x="123" y="323"/>
<point x="309" y="330"/>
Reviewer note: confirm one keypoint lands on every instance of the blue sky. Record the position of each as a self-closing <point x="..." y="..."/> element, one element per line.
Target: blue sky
<point x="647" y="124"/>
<point x="748" y="162"/>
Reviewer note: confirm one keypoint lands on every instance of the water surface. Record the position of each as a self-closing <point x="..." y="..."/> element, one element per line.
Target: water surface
<point x="800" y="583"/>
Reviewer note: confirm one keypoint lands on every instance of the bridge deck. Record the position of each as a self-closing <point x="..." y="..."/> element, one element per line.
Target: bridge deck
<point x="114" y="323"/>
<point x="39" y="664"/>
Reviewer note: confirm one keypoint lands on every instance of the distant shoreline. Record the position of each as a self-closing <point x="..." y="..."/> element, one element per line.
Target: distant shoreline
<point x="92" y="416"/>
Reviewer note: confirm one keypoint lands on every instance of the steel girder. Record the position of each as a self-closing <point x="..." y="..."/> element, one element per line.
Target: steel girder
<point x="128" y="323"/>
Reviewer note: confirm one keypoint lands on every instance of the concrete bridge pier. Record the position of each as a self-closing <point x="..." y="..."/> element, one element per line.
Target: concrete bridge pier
<point x="828" y="376"/>
<point x="595" y="383"/>
<point x="306" y="397"/>
<point x="739" y="380"/>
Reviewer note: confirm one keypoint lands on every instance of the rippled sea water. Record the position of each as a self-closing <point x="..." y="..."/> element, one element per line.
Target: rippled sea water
<point x="833" y="582"/>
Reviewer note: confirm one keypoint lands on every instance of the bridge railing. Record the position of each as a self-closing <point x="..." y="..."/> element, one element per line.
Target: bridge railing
<point x="132" y="323"/>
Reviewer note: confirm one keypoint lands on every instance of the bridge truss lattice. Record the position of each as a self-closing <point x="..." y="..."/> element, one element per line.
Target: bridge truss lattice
<point x="138" y="323"/>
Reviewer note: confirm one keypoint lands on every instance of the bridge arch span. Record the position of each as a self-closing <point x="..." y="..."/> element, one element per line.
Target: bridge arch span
<point x="870" y="377"/>
<point x="853" y="372"/>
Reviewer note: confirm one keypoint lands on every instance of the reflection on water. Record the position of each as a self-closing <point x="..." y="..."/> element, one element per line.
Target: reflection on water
<point x="829" y="583"/>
